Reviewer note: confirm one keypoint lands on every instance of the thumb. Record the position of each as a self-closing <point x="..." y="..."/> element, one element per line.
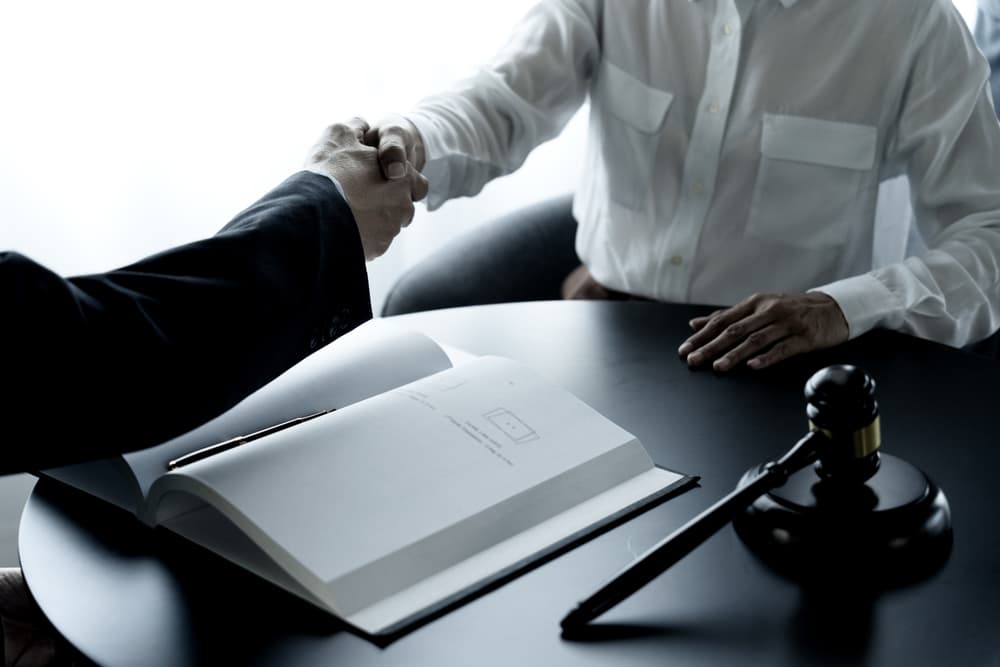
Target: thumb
<point x="392" y="153"/>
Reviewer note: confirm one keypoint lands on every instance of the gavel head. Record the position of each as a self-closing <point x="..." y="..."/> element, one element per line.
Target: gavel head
<point x="841" y="405"/>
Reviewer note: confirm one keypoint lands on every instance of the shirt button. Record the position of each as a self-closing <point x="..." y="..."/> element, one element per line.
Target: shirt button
<point x="698" y="187"/>
<point x="676" y="260"/>
<point x="728" y="29"/>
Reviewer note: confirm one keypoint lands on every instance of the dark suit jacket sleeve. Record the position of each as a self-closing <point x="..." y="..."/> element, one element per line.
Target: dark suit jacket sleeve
<point x="101" y="364"/>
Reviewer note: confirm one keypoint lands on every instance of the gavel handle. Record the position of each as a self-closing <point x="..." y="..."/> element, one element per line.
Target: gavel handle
<point x="682" y="541"/>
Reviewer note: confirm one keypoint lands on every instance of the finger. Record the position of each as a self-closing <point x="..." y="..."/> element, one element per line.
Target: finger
<point x="711" y="350"/>
<point x="392" y="152"/>
<point x="717" y="322"/>
<point x="701" y="335"/>
<point x="788" y="347"/>
<point x="338" y="134"/>
<point x="737" y="333"/>
<point x="418" y="184"/>
<point x="757" y="341"/>
<point x="699" y="322"/>
<point x="359" y="128"/>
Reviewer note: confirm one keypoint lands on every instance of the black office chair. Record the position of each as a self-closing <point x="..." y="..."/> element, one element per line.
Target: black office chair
<point x="522" y="256"/>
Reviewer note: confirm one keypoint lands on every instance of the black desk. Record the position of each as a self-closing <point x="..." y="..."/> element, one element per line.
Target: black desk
<point x="126" y="595"/>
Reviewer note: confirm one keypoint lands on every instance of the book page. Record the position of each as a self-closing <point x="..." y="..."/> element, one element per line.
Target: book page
<point x="395" y="612"/>
<point x="384" y="493"/>
<point x="371" y="359"/>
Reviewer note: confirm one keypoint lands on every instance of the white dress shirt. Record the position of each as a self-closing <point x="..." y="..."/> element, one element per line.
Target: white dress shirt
<point x="737" y="146"/>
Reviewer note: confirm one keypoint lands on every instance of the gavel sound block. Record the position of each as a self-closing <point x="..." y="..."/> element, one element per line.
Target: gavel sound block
<point x="856" y="514"/>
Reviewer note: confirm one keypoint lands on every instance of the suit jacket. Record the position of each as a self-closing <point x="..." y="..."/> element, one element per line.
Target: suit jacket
<point x="101" y="364"/>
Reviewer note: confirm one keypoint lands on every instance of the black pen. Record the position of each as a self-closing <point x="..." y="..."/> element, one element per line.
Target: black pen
<point x="211" y="450"/>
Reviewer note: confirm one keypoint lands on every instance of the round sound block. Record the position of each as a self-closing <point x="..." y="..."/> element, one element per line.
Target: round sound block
<point x="892" y="530"/>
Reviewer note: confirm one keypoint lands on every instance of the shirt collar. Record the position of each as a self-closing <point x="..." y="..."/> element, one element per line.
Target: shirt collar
<point x="784" y="3"/>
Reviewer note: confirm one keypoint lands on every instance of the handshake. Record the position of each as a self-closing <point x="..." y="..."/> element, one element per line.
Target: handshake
<point x="378" y="169"/>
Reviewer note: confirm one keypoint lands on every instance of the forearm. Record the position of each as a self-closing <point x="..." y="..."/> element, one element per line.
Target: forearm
<point x="486" y="126"/>
<point x="118" y="361"/>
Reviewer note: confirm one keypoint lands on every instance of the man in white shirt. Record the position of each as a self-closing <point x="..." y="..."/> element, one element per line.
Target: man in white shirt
<point x="737" y="147"/>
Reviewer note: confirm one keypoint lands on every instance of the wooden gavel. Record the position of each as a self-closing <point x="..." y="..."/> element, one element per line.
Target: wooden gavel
<point x="832" y="499"/>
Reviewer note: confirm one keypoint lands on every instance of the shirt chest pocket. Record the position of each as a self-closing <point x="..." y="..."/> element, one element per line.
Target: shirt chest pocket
<point x="812" y="181"/>
<point x="630" y="115"/>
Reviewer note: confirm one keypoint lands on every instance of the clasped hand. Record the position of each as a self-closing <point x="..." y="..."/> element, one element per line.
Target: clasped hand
<point x="765" y="329"/>
<point x="382" y="205"/>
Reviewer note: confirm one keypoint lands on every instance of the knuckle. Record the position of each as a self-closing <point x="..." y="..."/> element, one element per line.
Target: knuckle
<point x="764" y="301"/>
<point x="772" y="307"/>
<point x="757" y="338"/>
<point x="336" y="134"/>
<point x="778" y="351"/>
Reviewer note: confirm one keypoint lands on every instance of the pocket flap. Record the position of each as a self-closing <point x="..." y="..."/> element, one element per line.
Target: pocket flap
<point x="825" y="142"/>
<point x="641" y="106"/>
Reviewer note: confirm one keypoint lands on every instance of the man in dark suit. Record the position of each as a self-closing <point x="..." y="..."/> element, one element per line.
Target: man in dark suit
<point x="101" y="364"/>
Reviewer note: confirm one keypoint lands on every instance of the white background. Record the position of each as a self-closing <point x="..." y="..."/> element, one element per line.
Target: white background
<point x="127" y="126"/>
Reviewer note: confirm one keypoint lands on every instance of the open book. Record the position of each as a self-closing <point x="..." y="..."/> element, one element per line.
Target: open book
<point x="426" y="482"/>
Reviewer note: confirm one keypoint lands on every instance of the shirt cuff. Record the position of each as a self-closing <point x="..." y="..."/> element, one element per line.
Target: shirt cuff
<point x="436" y="169"/>
<point x="865" y="302"/>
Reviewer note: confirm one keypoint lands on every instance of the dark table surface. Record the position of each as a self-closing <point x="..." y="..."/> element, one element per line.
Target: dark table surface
<point x="126" y="595"/>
